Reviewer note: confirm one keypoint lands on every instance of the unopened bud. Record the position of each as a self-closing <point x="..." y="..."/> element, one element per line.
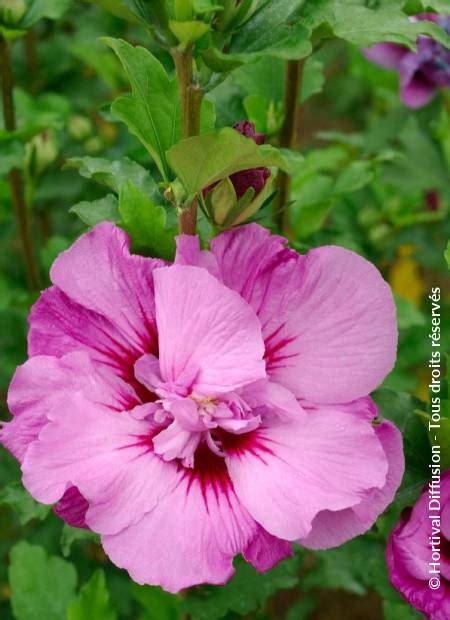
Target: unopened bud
<point x="79" y="127"/>
<point x="12" y="11"/>
<point x="40" y="153"/>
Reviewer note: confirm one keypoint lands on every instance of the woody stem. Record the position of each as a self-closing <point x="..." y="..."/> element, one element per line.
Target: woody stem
<point x="191" y="97"/>
<point x="15" y="175"/>
<point x="288" y="137"/>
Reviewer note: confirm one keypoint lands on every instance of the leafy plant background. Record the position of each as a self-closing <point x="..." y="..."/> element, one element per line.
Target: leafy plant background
<point x="364" y="169"/>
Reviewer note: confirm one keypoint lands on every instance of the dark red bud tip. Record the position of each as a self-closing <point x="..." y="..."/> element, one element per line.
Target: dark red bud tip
<point x="432" y="200"/>
<point x="247" y="129"/>
<point x="243" y="180"/>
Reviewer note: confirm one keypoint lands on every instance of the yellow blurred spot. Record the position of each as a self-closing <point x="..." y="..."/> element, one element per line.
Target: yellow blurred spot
<point x="5" y="591"/>
<point x="108" y="131"/>
<point x="422" y="389"/>
<point x="405" y="276"/>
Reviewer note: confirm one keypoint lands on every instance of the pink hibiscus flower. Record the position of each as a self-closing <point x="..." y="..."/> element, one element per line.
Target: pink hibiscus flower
<point x="409" y="554"/>
<point x="216" y="406"/>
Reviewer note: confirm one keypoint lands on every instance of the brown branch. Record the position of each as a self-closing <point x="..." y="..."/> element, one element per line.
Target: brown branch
<point x="15" y="175"/>
<point x="288" y="137"/>
<point x="191" y="97"/>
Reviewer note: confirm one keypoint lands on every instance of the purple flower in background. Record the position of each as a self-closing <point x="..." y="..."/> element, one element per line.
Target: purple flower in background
<point x="422" y="72"/>
<point x="410" y="552"/>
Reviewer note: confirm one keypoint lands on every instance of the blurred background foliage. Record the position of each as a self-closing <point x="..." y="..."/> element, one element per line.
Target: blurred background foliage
<point x="367" y="174"/>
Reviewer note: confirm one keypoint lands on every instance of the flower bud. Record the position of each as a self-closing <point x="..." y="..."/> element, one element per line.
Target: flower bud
<point x="40" y="153"/>
<point x="93" y="145"/>
<point x="12" y="11"/>
<point x="79" y="127"/>
<point x="238" y="197"/>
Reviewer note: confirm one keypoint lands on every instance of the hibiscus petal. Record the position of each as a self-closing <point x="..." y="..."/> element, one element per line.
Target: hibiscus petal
<point x="176" y="442"/>
<point x="285" y="475"/>
<point x="330" y="529"/>
<point x="189" y="253"/>
<point x="72" y="508"/>
<point x="274" y="398"/>
<point x="115" y="288"/>
<point x="328" y="318"/>
<point x="435" y="604"/>
<point x="417" y="92"/>
<point x="107" y="455"/>
<point x="387" y="55"/>
<point x="58" y="326"/>
<point x="244" y="255"/>
<point x="207" y="328"/>
<point x="190" y="537"/>
<point x="42" y="381"/>
<point x="415" y="89"/>
<point x="265" y="550"/>
<point x="341" y="340"/>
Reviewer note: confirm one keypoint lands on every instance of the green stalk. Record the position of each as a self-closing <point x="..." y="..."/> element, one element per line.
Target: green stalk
<point x="288" y="138"/>
<point x="15" y="175"/>
<point x="191" y="97"/>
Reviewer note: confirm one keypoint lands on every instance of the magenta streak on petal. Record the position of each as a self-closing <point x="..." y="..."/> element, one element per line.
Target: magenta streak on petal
<point x="270" y="357"/>
<point x="210" y="472"/>
<point x="250" y="442"/>
<point x="142" y="440"/>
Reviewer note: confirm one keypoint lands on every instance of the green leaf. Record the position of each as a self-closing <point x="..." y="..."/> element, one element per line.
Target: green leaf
<point x="11" y="156"/>
<point x="409" y="173"/>
<point x="42" y="586"/>
<point x="447" y="254"/>
<point x="202" y="160"/>
<point x="408" y="314"/>
<point x="71" y="535"/>
<point x="263" y="77"/>
<point x="206" y="6"/>
<point x="151" y="112"/>
<point x="152" y="13"/>
<point x="313" y="79"/>
<point x="400" y="610"/>
<point x="364" y="27"/>
<point x="188" y="32"/>
<point x="35" y="114"/>
<point x="11" y="34"/>
<point x="51" y="9"/>
<point x="26" y="508"/>
<point x="157" y="604"/>
<point x="114" y="174"/>
<point x="244" y="593"/>
<point x="91" y="213"/>
<point x="116" y="7"/>
<point x="440" y="6"/>
<point x="354" y="176"/>
<point x="146" y="223"/>
<point x="94" y="55"/>
<point x="273" y="29"/>
<point x="53" y="246"/>
<point x="309" y="218"/>
<point x="256" y="108"/>
<point x="207" y="116"/>
<point x="93" y="601"/>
